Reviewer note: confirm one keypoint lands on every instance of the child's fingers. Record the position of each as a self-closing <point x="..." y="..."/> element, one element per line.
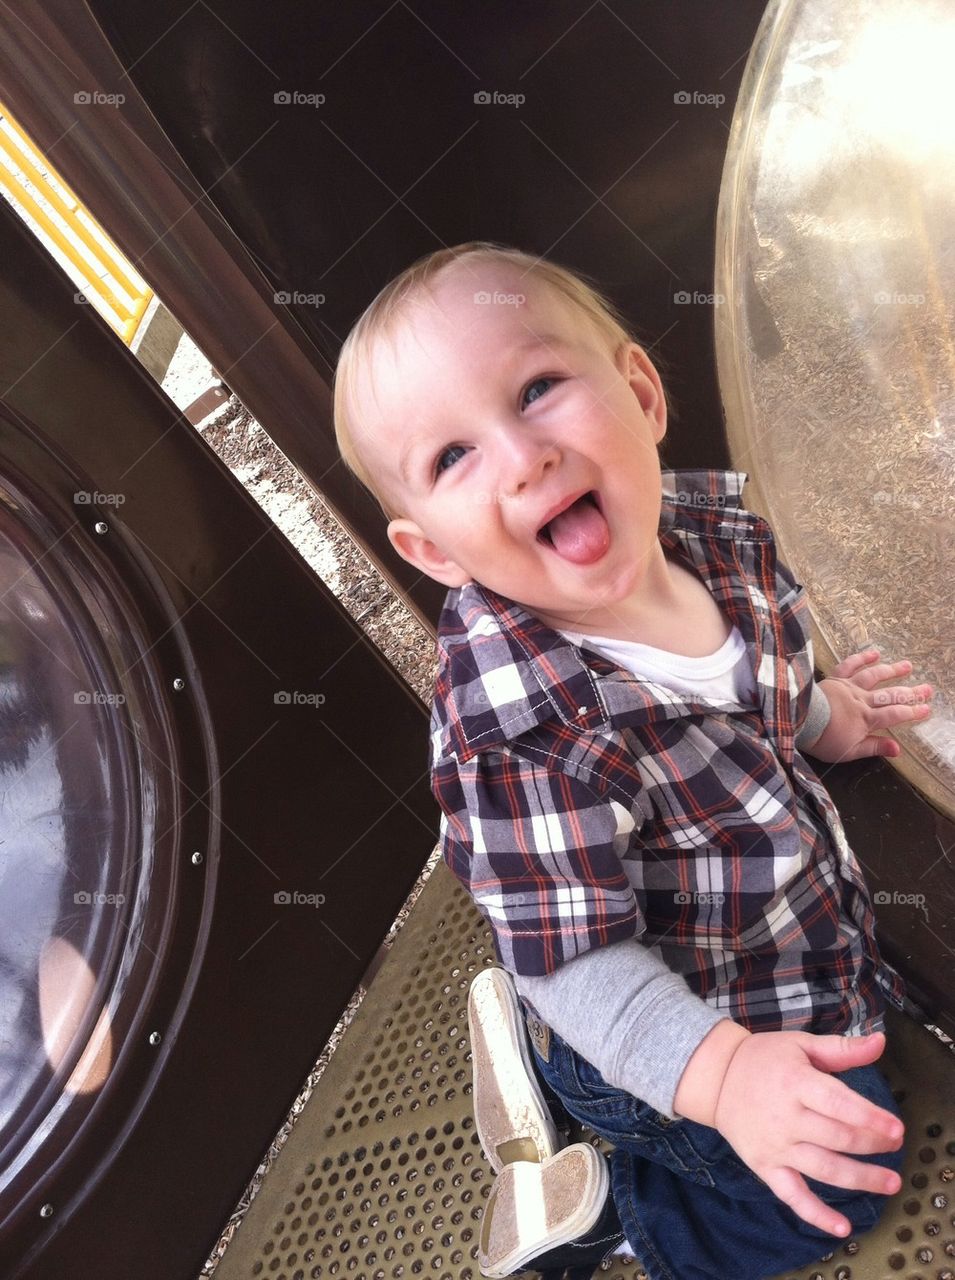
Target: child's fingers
<point x="838" y="1170"/>
<point x="791" y="1187"/>
<point x="911" y="698"/>
<point x="856" y="662"/>
<point x="833" y="1099"/>
<point x="835" y="1134"/>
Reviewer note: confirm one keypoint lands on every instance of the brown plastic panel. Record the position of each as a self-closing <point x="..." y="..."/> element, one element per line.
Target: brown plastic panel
<point x="272" y="762"/>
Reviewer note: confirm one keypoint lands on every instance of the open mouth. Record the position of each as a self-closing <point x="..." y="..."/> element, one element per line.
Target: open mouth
<point x="589" y="498"/>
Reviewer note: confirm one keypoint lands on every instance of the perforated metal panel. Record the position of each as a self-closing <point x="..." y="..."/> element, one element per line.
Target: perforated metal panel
<point x="383" y="1176"/>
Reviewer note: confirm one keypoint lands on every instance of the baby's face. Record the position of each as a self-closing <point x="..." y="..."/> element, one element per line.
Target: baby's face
<point x="488" y="417"/>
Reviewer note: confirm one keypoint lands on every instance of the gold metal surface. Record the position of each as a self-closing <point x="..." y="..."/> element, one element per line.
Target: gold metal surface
<point x="383" y="1177"/>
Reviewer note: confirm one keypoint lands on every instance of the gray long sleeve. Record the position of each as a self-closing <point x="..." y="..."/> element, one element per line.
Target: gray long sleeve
<point x="624" y="1010"/>
<point x="817" y="718"/>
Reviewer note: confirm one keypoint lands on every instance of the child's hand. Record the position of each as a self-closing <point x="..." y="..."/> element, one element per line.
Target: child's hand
<point x="786" y="1116"/>
<point x="860" y="710"/>
<point x="772" y="1098"/>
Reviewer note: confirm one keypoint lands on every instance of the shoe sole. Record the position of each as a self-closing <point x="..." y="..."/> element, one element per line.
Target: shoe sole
<point x="533" y="1208"/>
<point x="512" y="1118"/>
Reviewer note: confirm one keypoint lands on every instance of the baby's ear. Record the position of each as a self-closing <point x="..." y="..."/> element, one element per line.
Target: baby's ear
<point x="412" y="545"/>
<point x="646" y="385"/>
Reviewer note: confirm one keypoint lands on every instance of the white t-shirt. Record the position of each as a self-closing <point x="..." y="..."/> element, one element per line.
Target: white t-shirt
<point x="725" y="675"/>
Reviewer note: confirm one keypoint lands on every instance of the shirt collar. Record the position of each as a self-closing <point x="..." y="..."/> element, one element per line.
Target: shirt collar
<point x="502" y="671"/>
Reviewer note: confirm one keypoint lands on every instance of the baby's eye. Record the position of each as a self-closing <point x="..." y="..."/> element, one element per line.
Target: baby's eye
<point x="529" y="399"/>
<point x="452" y="449"/>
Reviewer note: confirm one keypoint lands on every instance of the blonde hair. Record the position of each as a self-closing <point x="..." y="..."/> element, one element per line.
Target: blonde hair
<point x="381" y="315"/>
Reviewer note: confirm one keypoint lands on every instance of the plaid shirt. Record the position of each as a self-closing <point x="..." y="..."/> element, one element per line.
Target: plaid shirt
<point x="582" y="805"/>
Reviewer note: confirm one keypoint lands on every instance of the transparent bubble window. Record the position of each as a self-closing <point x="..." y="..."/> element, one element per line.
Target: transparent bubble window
<point x="78" y="831"/>
<point x="836" y="268"/>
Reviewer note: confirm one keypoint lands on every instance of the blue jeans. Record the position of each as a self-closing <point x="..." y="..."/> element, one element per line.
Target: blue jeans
<point x="689" y="1206"/>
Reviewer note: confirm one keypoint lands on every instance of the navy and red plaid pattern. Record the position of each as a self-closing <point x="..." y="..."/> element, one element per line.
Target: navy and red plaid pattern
<point x="582" y="805"/>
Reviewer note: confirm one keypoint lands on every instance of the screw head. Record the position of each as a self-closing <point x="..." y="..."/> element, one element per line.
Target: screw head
<point x="178" y="684"/>
<point x="46" y="1211"/>
<point x="101" y="526"/>
<point x="196" y="858"/>
<point x="155" y="1038"/>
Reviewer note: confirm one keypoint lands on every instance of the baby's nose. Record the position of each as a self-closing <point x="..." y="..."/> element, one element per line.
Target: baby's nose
<point x="529" y="460"/>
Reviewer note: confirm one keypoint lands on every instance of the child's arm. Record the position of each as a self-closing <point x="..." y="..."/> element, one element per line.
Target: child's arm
<point x="630" y="1015"/>
<point x="860" y="711"/>
<point x="770" y="1095"/>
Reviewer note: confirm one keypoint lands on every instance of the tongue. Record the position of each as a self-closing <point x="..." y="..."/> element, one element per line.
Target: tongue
<point x="580" y="533"/>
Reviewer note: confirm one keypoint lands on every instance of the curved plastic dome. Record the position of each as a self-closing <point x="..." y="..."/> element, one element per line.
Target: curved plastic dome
<point x="78" y="833"/>
<point x="836" y="268"/>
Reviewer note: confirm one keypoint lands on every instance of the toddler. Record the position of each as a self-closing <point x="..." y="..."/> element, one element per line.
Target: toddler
<point x="624" y="700"/>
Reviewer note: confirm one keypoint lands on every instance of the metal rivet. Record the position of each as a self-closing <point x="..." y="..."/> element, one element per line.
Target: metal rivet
<point x="932" y="1228"/>
<point x="46" y="1211"/>
<point x="581" y="711"/>
<point x="154" y="1037"/>
<point x="924" y="1254"/>
<point x="178" y="683"/>
<point x="101" y="526"/>
<point x="947" y="1174"/>
<point x="843" y="1273"/>
<point x="851" y="1247"/>
<point x="950" y="1248"/>
<point x="196" y="858"/>
<point x="939" y="1200"/>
